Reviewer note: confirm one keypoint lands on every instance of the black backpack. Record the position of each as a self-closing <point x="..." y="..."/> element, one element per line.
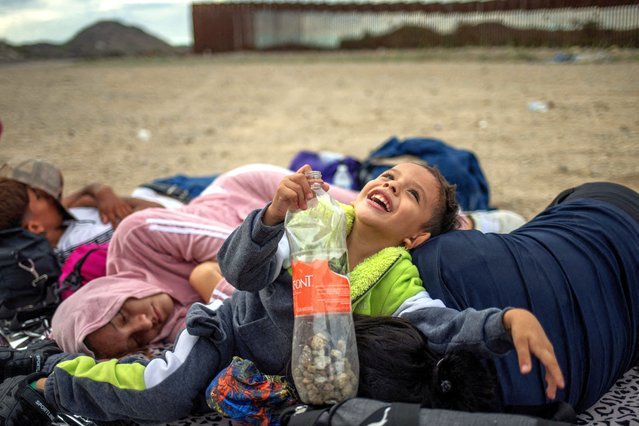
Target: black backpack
<point x="29" y="272"/>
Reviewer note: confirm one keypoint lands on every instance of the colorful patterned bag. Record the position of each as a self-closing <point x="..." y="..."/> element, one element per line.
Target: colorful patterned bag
<point x="242" y="393"/>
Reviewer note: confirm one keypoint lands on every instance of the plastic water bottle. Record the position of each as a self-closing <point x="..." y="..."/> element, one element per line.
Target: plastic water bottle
<point x="324" y="359"/>
<point x="342" y="177"/>
<point x="538" y="106"/>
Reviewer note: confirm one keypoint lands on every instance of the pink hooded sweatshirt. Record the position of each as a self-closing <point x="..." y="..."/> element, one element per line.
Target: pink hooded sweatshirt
<point x="155" y="250"/>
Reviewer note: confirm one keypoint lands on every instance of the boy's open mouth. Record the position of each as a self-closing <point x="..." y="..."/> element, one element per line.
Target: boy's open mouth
<point x="381" y="200"/>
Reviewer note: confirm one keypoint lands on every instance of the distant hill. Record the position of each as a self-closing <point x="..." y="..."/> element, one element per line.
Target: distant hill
<point x="42" y="51"/>
<point x="102" y="39"/>
<point x="110" y="38"/>
<point x="8" y="53"/>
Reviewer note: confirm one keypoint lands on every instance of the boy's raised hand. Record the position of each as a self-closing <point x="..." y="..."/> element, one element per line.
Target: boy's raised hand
<point x="528" y="336"/>
<point x="292" y="194"/>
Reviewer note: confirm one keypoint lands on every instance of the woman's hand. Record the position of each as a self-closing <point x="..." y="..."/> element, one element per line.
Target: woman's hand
<point x="528" y="336"/>
<point x="292" y="194"/>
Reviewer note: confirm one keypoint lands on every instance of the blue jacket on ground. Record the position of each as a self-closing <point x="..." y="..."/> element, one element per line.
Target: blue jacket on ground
<point x="459" y="166"/>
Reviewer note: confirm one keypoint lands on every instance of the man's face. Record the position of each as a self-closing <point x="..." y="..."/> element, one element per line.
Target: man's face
<point x="43" y="217"/>
<point x="134" y="326"/>
<point x="398" y="203"/>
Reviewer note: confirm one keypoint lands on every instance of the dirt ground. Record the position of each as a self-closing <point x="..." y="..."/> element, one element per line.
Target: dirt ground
<point x="127" y="121"/>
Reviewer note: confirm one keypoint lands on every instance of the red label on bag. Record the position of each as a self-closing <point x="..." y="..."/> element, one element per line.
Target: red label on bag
<point x="317" y="289"/>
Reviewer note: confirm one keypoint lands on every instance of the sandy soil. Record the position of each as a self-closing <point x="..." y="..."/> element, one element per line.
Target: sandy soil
<point x="208" y="114"/>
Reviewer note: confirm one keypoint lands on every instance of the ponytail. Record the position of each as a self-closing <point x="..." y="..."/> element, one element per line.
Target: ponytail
<point x="461" y="381"/>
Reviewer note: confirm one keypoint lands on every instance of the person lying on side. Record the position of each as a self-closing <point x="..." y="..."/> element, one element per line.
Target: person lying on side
<point x="170" y="251"/>
<point x="32" y="194"/>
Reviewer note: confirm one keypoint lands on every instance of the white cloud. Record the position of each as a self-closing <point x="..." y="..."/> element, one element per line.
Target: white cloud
<point x="107" y="5"/>
<point x="29" y="21"/>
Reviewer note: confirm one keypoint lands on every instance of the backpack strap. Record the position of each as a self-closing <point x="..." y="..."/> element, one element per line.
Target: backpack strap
<point x="78" y="265"/>
<point x="73" y="281"/>
<point x="27" y="265"/>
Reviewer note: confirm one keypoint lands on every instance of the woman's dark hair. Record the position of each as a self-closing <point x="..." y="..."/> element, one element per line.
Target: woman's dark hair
<point x="15" y="201"/>
<point x="397" y="366"/>
<point x="446" y="212"/>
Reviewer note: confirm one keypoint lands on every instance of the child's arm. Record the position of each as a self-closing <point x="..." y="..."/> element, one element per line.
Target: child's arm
<point x="249" y="257"/>
<point x="292" y="194"/>
<point x="204" y="278"/>
<point x="253" y="255"/>
<point x="488" y="332"/>
<point x="446" y="329"/>
<point x="529" y="336"/>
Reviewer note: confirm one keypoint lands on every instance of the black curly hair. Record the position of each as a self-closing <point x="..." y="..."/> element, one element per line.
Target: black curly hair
<point x="397" y="366"/>
<point x="15" y="201"/>
<point x="446" y="211"/>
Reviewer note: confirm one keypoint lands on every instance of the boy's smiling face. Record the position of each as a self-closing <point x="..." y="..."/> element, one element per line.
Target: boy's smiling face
<point x="398" y="204"/>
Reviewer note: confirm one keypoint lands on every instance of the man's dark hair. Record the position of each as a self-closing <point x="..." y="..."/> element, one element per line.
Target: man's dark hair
<point x="15" y="201"/>
<point x="446" y="211"/>
<point x="397" y="366"/>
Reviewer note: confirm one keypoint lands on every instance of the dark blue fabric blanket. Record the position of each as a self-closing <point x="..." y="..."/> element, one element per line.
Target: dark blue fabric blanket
<point x="459" y="166"/>
<point x="576" y="266"/>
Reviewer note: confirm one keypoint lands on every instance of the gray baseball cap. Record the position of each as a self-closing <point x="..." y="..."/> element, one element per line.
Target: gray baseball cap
<point x="38" y="174"/>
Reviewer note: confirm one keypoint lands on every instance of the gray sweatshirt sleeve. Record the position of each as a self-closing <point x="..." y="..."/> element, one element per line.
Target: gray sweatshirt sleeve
<point x="446" y="329"/>
<point x="248" y="256"/>
<point x="160" y="390"/>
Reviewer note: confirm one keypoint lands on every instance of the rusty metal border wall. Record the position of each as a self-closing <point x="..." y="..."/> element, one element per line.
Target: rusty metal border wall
<point x="223" y="27"/>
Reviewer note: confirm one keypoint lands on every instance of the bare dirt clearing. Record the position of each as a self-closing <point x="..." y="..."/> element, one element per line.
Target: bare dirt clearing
<point x="128" y="121"/>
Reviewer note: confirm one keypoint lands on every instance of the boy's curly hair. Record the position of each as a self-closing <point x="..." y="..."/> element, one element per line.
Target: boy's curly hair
<point x="15" y="201"/>
<point x="446" y="211"/>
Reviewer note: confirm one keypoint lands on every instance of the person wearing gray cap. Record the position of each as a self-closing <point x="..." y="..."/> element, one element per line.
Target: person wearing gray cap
<point x="39" y="175"/>
<point x="32" y="192"/>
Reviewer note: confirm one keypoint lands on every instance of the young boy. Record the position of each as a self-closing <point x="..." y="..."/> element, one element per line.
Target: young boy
<point x="399" y="210"/>
<point x="256" y="323"/>
<point x="31" y="190"/>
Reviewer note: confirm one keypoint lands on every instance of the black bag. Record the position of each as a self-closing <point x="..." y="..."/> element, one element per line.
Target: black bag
<point x="29" y="272"/>
<point x="367" y="412"/>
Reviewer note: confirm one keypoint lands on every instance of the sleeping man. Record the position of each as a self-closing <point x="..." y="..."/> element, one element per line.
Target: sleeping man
<point x="31" y="191"/>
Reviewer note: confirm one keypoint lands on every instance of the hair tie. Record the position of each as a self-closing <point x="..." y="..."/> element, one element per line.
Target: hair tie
<point x="444" y="385"/>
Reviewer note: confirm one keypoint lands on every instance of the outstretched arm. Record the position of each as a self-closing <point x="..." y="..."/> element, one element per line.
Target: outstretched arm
<point x="529" y="337"/>
<point x="490" y="332"/>
<point x="112" y="208"/>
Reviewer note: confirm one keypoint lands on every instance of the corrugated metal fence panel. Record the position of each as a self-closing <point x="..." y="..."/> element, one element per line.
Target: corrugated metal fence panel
<point x="222" y="27"/>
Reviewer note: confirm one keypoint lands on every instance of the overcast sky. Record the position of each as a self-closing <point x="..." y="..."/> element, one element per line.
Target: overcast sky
<point x="57" y="21"/>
